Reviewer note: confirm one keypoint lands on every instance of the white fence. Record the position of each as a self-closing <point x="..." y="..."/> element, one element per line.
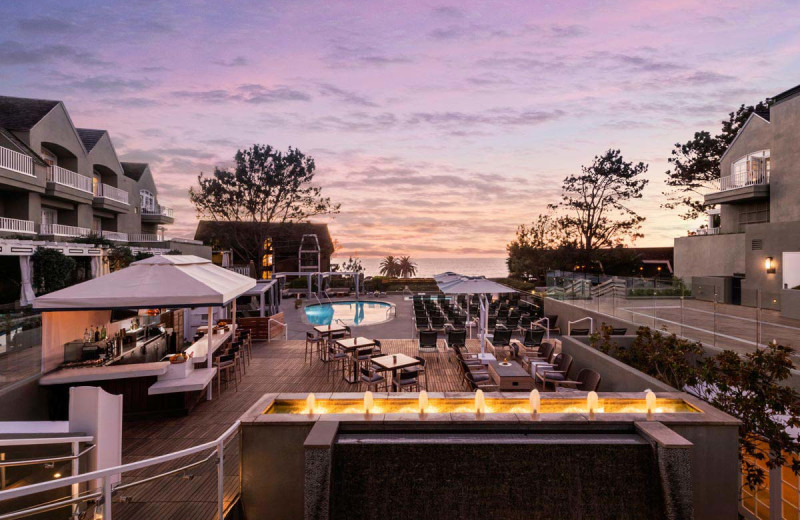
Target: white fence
<point x="15" y="161"/>
<point x="115" y="235"/>
<point x="16" y="225"/>
<point x="69" y="178"/>
<point x="110" y="192"/>
<point x="61" y="230"/>
<point x="158" y="210"/>
<point x="740" y="180"/>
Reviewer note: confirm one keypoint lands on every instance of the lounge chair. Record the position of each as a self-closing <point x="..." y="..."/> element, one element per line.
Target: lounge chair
<point x="501" y="342"/>
<point x="587" y="381"/>
<point x="556" y="373"/>
<point x="618" y="331"/>
<point x="533" y="338"/>
<point x="579" y="332"/>
<point x="480" y="382"/>
<point x="552" y="322"/>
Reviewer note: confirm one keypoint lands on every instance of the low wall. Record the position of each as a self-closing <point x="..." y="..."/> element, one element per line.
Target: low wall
<point x="567" y="312"/>
<point x="616" y="375"/>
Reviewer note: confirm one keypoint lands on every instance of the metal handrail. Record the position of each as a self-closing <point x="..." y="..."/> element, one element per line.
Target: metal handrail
<point x="591" y="324"/>
<point x="282" y="324"/>
<point x="107" y="474"/>
<point x="32" y="462"/>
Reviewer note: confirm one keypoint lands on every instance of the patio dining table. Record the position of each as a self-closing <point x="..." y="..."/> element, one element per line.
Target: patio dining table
<point x="395" y="362"/>
<point x="327" y="330"/>
<point x="350" y="345"/>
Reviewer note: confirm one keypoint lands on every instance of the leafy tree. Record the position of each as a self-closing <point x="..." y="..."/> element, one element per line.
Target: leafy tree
<point x="595" y="203"/>
<point x="174" y="252"/>
<point x="120" y="257"/>
<point x="141" y="255"/>
<point x="406" y="268"/>
<point x="351" y="265"/>
<point x="695" y="163"/>
<point x="536" y="248"/>
<point x="390" y="267"/>
<point x="751" y="388"/>
<point x="96" y="239"/>
<point x="52" y="270"/>
<point x="265" y="186"/>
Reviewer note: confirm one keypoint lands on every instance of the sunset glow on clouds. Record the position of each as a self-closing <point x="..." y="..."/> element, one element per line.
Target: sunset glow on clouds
<point x="439" y="127"/>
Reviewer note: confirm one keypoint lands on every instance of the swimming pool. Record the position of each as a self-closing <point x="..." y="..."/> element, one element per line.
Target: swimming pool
<point x="350" y="313"/>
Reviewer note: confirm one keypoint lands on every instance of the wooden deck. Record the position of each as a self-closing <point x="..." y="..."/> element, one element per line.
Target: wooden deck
<point x="276" y="367"/>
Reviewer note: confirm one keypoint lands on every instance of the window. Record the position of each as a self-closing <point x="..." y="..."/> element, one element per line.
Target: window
<point x="49" y="216"/>
<point x="49" y="157"/>
<point x="148" y="201"/>
<point x="753" y="214"/>
<point x="753" y="168"/>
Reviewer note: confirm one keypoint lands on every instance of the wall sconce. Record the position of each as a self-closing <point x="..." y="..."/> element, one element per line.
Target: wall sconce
<point x="769" y="265"/>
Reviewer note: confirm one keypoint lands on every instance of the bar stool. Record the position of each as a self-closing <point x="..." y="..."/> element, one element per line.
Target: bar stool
<point x="225" y="363"/>
<point x="312" y="343"/>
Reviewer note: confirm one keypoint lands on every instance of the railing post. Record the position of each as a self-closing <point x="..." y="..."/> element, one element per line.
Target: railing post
<point x="76" y="488"/>
<point x="107" y="497"/>
<point x="220" y="479"/>
<point x="775" y="493"/>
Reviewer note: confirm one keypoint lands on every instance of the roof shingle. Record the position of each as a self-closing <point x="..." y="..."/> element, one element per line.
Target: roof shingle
<point x="89" y="137"/>
<point x="22" y="114"/>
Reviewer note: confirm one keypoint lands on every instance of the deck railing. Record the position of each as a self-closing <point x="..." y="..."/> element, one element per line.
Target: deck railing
<point x="703" y="232"/>
<point x="101" y="498"/>
<point x="16" y="226"/>
<point x="115" y="235"/>
<point x="110" y="192"/>
<point x="64" y="177"/>
<point x="145" y="237"/>
<point x="60" y="230"/>
<point x="164" y="211"/>
<point x="16" y="162"/>
<point x="740" y="180"/>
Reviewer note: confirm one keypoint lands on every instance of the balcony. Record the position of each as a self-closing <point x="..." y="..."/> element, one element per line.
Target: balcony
<point x="110" y="198"/>
<point x="115" y="236"/>
<point x="13" y="225"/>
<point x="69" y="184"/>
<point x="158" y="215"/>
<point x="701" y="232"/>
<point x="145" y="237"/>
<point x="60" y="230"/>
<point x="741" y="187"/>
<point x="16" y="162"/>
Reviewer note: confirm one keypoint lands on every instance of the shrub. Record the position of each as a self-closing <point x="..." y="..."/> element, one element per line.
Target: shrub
<point x="52" y="270"/>
<point x="120" y="257"/>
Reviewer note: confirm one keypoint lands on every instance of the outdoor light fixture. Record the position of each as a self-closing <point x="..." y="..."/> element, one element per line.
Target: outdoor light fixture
<point x="367" y="401"/>
<point x="480" y="402"/>
<point x="536" y="402"/>
<point x="311" y="402"/>
<point x="423" y="401"/>
<point x="769" y="265"/>
<point x="591" y="402"/>
<point x="650" y="401"/>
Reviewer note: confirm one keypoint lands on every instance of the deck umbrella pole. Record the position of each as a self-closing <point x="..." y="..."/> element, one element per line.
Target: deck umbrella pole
<point x="233" y="311"/>
<point x="261" y="305"/>
<point x="210" y="335"/>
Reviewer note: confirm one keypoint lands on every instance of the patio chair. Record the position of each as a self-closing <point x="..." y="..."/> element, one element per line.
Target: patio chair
<point x="404" y="384"/>
<point x="467" y="357"/>
<point x="336" y="358"/>
<point x="501" y="342"/>
<point x="579" y="332"/>
<point x="525" y="322"/>
<point x="587" y="381"/>
<point x="313" y="343"/>
<point x="372" y="378"/>
<point x="512" y="322"/>
<point x="417" y="371"/>
<point x="619" y="331"/>
<point x="437" y="323"/>
<point x="456" y="338"/>
<point x="556" y="374"/>
<point x="552" y="321"/>
<point x="427" y="340"/>
<point x="377" y="349"/>
<point x="533" y="337"/>
<point x="542" y="355"/>
<point x="480" y="382"/>
<point x="226" y="366"/>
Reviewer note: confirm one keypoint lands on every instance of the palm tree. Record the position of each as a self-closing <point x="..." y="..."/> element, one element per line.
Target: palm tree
<point x="390" y="266"/>
<point x="407" y="268"/>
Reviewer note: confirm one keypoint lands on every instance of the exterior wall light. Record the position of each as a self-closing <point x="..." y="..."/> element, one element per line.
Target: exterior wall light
<point x="769" y="265"/>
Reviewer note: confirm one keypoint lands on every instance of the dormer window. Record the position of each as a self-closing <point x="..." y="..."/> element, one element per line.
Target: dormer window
<point x="148" y="201"/>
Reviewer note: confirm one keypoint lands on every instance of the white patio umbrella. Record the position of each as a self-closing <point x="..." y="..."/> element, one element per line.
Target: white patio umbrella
<point x="453" y="283"/>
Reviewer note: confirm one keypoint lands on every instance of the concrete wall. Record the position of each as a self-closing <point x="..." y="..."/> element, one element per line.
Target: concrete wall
<point x="616" y="376"/>
<point x="776" y="237"/>
<point x="712" y="255"/>
<point x="56" y="127"/>
<point x="200" y="250"/>
<point x="709" y="288"/>
<point x="785" y="150"/>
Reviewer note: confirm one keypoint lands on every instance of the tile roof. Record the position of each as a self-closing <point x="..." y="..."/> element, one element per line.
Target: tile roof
<point x="89" y="137"/>
<point x="134" y="170"/>
<point x="22" y="114"/>
<point x="21" y="146"/>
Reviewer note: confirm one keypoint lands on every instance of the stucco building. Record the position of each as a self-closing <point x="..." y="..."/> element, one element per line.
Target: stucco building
<point x="750" y="252"/>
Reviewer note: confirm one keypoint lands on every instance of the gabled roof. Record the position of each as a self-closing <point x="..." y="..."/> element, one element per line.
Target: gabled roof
<point x="786" y="94"/>
<point x="756" y="113"/>
<point x="22" y="114"/>
<point x="90" y="137"/>
<point x="22" y="147"/>
<point x="134" y="170"/>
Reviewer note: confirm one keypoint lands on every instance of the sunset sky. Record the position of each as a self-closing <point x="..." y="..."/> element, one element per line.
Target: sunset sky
<point x="438" y="126"/>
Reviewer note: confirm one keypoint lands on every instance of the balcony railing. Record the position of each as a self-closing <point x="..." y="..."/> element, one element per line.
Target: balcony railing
<point x="115" y="235"/>
<point x="740" y="180"/>
<point x="60" y="230"/>
<point x="158" y="210"/>
<point x="110" y="192"/>
<point x="703" y="232"/>
<point x="15" y="161"/>
<point x="145" y="237"/>
<point x="16" y="226"/>
<point x="69" y="178"/>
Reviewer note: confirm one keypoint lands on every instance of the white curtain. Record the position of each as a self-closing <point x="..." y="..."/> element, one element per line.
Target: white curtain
<point x="26" y="295"/>
<point x="97" y="267"/>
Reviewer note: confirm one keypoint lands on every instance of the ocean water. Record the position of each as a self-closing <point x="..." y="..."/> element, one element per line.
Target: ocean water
<point x="427" y="267"/>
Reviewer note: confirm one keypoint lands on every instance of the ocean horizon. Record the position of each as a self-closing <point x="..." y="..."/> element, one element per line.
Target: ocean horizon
<point x="490" y="267"/>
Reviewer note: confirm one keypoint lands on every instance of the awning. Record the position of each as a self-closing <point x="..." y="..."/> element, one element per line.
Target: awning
<point x="166" y="281"/>
<point x="452" y="283"/>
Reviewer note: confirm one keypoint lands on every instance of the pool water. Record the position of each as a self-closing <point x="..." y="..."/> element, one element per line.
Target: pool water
<point x="349" y="313"/>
